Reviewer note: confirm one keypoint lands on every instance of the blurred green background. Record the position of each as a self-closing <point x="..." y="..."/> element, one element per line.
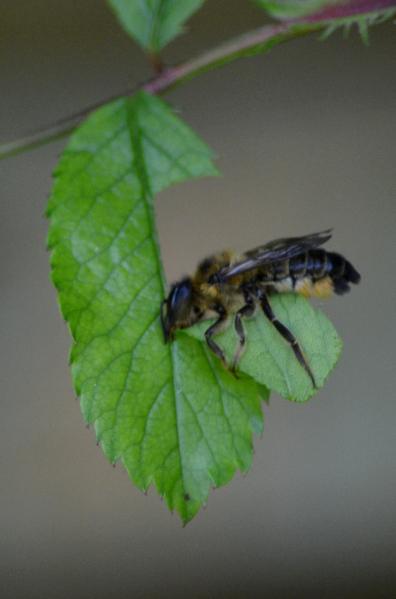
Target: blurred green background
<point x="306" y="140"/>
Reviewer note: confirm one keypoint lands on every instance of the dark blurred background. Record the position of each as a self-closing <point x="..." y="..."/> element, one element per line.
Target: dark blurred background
<point x="306" y="140"/>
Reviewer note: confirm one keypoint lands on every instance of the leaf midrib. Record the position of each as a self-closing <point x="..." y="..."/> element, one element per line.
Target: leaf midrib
<point x="135" y="136"/>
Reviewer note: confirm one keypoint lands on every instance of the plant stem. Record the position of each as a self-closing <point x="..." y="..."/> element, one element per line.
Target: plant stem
<point x="52" y="132"/>
<point x="254" y="42"/>
<point x="249" y="44"/>
<point x="156" y="63"/>
<point x="246" y="45"/>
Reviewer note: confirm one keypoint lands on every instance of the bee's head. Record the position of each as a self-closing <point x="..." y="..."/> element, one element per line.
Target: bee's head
<point x="178" y="310"/>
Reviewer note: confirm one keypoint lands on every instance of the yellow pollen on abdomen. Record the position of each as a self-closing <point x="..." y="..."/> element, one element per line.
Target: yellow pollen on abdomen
<point x="320" y="289"/>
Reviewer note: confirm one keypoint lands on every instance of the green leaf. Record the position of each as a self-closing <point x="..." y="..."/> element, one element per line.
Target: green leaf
<point x="295" y="9"/>
<point x="154" y="23"/>
<point x="270" y="360"/>
<point x="170" y="413"/>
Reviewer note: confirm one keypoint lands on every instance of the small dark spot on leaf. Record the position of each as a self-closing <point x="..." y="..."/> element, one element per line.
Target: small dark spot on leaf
<point x="187" y="497"/>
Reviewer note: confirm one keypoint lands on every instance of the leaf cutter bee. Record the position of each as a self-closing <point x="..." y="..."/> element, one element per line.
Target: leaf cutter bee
<point x="225" y="284"/>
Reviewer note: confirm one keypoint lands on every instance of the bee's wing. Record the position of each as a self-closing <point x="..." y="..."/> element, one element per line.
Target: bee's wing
<point x="274" y="251"/>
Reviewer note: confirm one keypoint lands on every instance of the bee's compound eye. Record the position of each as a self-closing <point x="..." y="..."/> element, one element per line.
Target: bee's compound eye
<point x="180" y="294"/>
<point x="196" y="310"/>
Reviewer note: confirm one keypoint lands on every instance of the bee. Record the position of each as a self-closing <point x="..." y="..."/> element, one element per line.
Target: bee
<point x="226" y="284"/>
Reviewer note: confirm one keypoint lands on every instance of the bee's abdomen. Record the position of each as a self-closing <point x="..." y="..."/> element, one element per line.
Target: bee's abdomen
<point x="317" y="273"/>
<point x="314" y="264"/>
<point x="342" y="273"/>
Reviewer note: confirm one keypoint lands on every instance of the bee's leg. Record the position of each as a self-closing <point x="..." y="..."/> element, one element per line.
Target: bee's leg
<point x="246" y="311"/>
<point x="286" y="334"/>
<point x="217" y="327"/>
